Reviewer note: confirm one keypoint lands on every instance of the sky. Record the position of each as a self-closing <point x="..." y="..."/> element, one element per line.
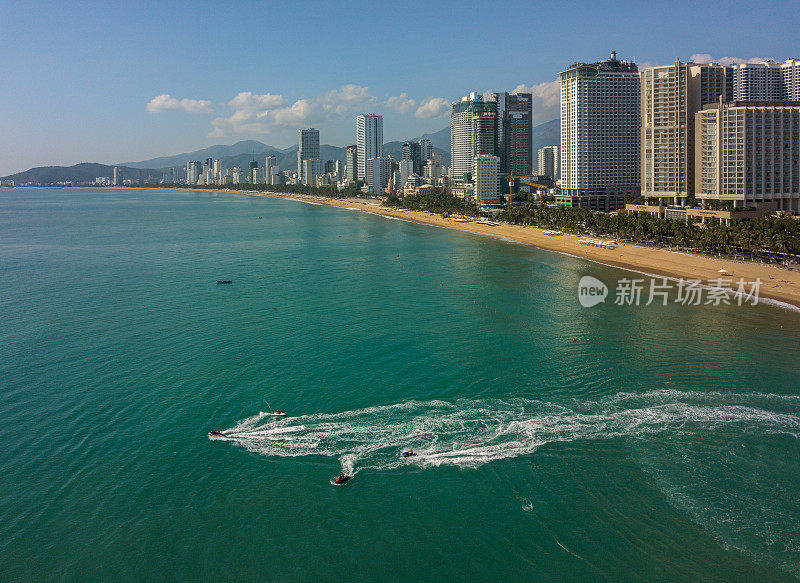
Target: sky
<point x="115" y="82"/>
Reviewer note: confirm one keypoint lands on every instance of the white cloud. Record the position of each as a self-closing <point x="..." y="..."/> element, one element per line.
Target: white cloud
<point x="706" y="58"/>
<point x="165" y="102"/>
<point x="401" y="103"/>
<point x="247" y="100"/>
<point x="259" y="114"/>
<point x="546" y="100"/>
<point x="432" y="107"/>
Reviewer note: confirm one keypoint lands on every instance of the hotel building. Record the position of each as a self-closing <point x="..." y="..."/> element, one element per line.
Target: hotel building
<point x="748" y="152"/>
<point x="671" y="95"/>
<point x="600" y="133"/>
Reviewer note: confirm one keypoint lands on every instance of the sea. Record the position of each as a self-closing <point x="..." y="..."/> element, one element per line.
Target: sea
<point x="554" y="442"/>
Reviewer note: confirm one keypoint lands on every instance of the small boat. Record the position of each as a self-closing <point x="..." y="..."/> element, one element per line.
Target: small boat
<point x="342" y="479"/>
<point x="409" y="453"/>
<point x="215" y="433"/>
<point x="224" y="281"/>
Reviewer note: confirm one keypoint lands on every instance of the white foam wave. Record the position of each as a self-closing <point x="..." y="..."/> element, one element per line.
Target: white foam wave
<point x="469" y="433"/>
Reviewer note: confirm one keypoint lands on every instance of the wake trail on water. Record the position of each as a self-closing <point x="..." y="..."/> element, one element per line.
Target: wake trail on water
<point x="469" y="433"/>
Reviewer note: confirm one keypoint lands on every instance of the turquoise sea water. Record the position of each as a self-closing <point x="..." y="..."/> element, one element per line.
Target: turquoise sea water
<point x="672" y="455"/>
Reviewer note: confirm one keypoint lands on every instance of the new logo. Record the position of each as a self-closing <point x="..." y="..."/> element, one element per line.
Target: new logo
<point x="591" y="291"/>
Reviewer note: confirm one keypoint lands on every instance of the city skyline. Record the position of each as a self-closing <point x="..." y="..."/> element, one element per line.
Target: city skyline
<point x="111" y="84"/>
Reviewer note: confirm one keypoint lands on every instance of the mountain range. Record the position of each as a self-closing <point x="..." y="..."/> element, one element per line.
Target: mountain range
<point x="240" y="154"/>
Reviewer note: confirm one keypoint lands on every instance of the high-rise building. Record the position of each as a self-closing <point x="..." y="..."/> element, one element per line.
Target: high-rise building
<point x="413" y="153"/>
<point x="671" y="95"/>
<point x="548" y="162"/>
<point x="253" y="172"/>
<point x="308" y="149"/>
<point x="515" y="132"/>
<point x="425" y="150"/>
<point x="600" y="133"/>
<point x="473" y="131"/>
<point x="405" y="169"/>
<point x="216" y="171"/>
<point x="194" y="170"/>
<point x="378" y="171"/>
<point x="117" y="176"/>
<point x="270" y="168"/>
<point x="351" y="163"/>
<point x="433" y="170"/>
<point x="312" y="167"/>
<point x="768" y="81"/>
<point x="369" y="138"/>
<point x="747" y="152"/>
<point x="486" y="175"/>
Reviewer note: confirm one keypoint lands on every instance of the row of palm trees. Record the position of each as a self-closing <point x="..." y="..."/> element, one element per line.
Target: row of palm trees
<point x="768" y="238"/>
<point x="434" y="200"/>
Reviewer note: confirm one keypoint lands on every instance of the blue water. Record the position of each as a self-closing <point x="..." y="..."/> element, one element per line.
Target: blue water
<point x="670" y="455"/>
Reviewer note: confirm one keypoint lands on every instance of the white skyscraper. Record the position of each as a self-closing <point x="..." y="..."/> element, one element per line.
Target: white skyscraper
<point x="308" y="149"/>
<point x="117" y="177"/>
<point x="486" y="174"/>
<point x="369" y="138"/>
<point x="600" y="133"/>
<point x="767" y="81"/>
<point x="194" y="171"/>
<point x="548" y="162"/>
<point x="217" y="170"/>
<point x="270" y="169"/>
<point x="473" y="131"/>
<point x="378" y="169"/>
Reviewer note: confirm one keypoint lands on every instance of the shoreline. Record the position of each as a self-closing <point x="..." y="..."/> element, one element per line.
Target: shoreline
<point x="777" y="284"/>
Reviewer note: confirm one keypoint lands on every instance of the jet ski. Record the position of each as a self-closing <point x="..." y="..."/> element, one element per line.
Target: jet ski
<point x="215" y="433"/>
<point x="409" y="453"/>
<point x="277" y="413"/>
<point x="343" y="478"/>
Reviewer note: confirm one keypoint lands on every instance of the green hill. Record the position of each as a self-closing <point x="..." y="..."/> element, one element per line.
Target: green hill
<point x="79" y="173"/>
